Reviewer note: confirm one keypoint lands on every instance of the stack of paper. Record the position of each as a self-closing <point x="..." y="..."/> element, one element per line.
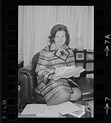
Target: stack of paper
<point x="66" y="72"/>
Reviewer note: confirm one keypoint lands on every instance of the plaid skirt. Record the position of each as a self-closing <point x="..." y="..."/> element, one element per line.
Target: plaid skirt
<point x="54" y="88"/>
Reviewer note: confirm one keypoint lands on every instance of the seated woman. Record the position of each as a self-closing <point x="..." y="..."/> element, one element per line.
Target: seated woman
<point x="56" y="90"/>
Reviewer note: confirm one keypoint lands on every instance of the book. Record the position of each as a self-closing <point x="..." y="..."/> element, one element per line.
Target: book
<point x="66" y="72"/>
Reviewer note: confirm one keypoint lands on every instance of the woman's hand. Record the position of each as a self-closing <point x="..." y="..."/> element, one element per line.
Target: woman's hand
<point x="50" y="76"/>
<point x="54" y="77"/>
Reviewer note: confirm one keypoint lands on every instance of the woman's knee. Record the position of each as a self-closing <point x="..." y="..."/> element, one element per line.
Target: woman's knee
<point x="76" y="94"/>
<point x="61" y="98"/>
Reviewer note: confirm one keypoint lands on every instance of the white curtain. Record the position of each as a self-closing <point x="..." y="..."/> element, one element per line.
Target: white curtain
<point x="35" y="22"/>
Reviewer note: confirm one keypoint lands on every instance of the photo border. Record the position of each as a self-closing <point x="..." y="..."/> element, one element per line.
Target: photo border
<point x="102" y="67"/>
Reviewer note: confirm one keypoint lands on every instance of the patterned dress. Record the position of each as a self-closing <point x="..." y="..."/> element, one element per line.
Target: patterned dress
<point x="50" y="58"/>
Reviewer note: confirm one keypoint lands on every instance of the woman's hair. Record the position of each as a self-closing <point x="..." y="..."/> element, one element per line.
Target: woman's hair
<point x="52" y="36"/>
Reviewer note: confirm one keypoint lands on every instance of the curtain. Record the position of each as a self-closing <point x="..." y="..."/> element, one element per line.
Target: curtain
<point x="35" y="22"/>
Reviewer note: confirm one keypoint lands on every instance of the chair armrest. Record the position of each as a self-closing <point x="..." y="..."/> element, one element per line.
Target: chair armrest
<point x="27" y="81"/>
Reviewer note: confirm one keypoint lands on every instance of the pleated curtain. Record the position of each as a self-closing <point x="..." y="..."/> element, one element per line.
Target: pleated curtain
<point x="35" y="22"/>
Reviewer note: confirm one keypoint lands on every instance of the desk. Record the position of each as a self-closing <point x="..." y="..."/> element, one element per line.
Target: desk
<point x="86" y="115"/>
<point x="34" y="116"/>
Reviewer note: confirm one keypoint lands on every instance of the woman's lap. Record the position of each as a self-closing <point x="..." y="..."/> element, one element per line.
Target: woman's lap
<point x="60" y="98"/>
<point x="54" y="88"/>
<point x="61" y="93"/>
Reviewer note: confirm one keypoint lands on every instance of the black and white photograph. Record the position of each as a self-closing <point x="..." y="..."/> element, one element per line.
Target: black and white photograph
<point x="55" y="61"/>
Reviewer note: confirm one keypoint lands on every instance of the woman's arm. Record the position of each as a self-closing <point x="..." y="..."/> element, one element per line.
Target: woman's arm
<point x="43" y="68"/>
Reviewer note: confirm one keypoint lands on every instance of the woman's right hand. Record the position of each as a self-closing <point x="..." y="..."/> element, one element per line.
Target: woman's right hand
<point x="51" y="76"/>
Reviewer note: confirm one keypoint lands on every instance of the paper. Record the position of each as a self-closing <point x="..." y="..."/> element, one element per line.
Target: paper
<point x="80" y="112"/>
<point x="43" y="110"/>
<point x="77" y="113"/>
<point x="66" y="72"/>
<point x="66" y="107"/>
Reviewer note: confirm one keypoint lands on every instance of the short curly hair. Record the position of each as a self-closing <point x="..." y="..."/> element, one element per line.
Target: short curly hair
<point x="52" y="36"/>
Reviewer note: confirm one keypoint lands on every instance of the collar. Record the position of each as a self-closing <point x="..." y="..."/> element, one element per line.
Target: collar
<point x="58" y="52"/>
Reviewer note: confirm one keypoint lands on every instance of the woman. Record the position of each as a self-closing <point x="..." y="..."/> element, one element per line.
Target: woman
<point x="56" y="90"/>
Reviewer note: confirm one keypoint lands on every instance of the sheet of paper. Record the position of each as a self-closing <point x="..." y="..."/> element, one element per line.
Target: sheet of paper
<point x="66" y="107"/>
<point x="78" y="113"/>
<point x="61" y="70"/>
<point x="66" y="72"/>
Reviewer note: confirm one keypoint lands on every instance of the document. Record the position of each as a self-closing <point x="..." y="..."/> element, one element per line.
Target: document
<point x="80" y="112"/>
<point x="66" y="72"/>
<point x="65" y="108"/>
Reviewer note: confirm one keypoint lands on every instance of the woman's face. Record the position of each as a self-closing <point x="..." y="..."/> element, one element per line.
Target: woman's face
<point x="60" y="38"/>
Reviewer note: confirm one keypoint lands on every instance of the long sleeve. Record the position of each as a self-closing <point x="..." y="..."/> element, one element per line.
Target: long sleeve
<point x="43" y="68"/>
